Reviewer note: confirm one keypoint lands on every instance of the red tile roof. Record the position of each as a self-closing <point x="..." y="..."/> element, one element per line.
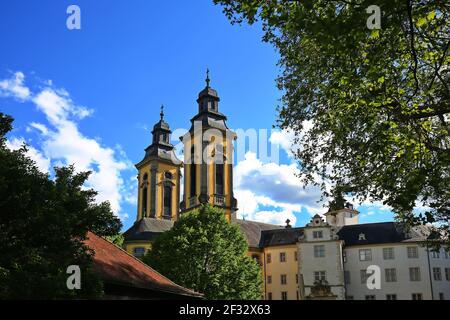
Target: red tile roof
<point x="116" y="265"/>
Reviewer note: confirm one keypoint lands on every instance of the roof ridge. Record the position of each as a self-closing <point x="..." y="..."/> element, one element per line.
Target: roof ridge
<point x="144" y="264"/>
<point x="370" y="223"/>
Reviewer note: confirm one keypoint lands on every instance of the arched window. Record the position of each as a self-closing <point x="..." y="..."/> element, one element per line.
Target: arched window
<point x="144" y="195"/>
<point x="167" y="200"/>
<point x="193" y="174"/>
<point x="220" y="179"/>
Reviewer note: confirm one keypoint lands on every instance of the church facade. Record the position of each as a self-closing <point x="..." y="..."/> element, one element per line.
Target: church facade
<point x="328" y="259"/>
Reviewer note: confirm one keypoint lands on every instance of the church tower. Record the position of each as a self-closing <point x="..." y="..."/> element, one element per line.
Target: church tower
<point x="208" y="157"/>
<point x="159" y="176"/>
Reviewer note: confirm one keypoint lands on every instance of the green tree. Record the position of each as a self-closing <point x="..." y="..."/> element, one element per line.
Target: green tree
<point x="207" y="254"/>
<point x="116" y="239"/>
<point x="43" y="223"/>
<point x="377" y="101"/>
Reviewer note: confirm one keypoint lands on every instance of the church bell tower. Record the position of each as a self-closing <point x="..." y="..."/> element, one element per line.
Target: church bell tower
<point x="159" y="176"/>
<point x="208" y="157"/>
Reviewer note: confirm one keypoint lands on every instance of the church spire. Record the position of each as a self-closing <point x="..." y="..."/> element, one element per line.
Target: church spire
<point x="207" y="78"/>
<point x="162" y="112"/>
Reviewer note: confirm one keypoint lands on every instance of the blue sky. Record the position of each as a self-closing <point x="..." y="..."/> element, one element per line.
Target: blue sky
<point x="90" y="96"/>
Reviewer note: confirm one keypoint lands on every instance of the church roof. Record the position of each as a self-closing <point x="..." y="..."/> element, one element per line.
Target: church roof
<point x="147" y="229"/>
<point x="279" y="237"/>
<point x="208" y="91"/>
<point x="116" y="266"/>
<point x="253" y="229"/>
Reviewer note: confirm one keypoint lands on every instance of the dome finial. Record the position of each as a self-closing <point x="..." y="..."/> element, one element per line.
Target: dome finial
<point x="162" y="112"/>
<point x="207" y="78"/>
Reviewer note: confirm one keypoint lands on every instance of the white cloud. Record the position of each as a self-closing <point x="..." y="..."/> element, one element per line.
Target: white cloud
<point x="14" y="87"/>
<point x="63" y="143"/>
<point x="271" y="192"/>
<point x="42" y="162"/>
<point x="39" y="126"/>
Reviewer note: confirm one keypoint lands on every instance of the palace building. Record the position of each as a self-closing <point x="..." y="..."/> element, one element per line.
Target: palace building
<point x="331" y="258"/>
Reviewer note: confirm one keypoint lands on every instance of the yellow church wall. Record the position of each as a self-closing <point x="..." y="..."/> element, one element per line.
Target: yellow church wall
<point x="188" y="142"/>
<point x="130" y="246"/>
<point x="276" y="268"/>
<point x="162" y="167"/>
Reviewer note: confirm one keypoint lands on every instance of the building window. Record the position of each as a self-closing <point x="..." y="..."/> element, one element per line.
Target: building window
<point x="370" y="297"/>
<point x="349" y="298"/>
<point x="347" y="277"/>
<point x="283" y="279"/>
<point x="138" y="252"/>
<point x="447" y="274"/>
<point x="320" y="276"/>
<point x="391" y="297"/>
<point x="168" y="175"/>
<point x="388" y="253"/>
<point x="193" y="174"/>
<point x="413" y="252"/>
<point x="144" y="195"/>
<point x="437" y="274"/>
<point x="417" y="296"/>
<point x="298" y="296"/>
<point x="282" y="256"/>
<point x="441" y="296"/>
<point x="344" y="256"/>
<point x="414" y="274"/>
<point x="144" y="201"/>
<point x="269" y="279"/>
<point x="317" y="234"/>
<point x="168" y="201"/>
<point x="364" y="276"/>
<point x="219" y="178"/>
<point x="365" y="255"/>
<point x="296" y="278"/>
<point x="269" y="295"/>
<point x="269" y="258"/>
<point x="319" y="251"/>
<point x="446" y="254"/>
<point x="435" y="254"/>
<point x="284" y="295"/>
<point x="295" y="256"/>
<point x="390" y="275"/>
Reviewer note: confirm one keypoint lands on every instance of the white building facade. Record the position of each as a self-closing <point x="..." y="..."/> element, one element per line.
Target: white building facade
<point x="342" y="259"/>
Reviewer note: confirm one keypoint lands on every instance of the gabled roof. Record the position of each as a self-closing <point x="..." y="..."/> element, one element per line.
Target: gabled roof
<point x="115" y="265"/>
<point x="147" y="229"/>
<point x="383" y="232"/>
<point x="252" y="231"/>
<point x="280" y="237"/>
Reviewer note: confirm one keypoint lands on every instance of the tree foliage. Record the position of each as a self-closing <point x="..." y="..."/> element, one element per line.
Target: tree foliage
<point x="207" y="254"/>
<point x="43" y="223"/>
<point x="377" y="101"/>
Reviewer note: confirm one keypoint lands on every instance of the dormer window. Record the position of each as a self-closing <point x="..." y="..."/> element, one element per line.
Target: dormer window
<point x="317" y="234"/>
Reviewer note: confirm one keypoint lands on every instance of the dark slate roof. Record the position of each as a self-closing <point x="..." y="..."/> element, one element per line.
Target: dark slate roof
<point x="383" y="232"/>
<point x="374" y="233"/>
<point x="208" y="91"/>
<point x="252" y="231"/>
<point x="115" y="265"/>
<point x="147" y="229"/>
<point x="280" y="237"/>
